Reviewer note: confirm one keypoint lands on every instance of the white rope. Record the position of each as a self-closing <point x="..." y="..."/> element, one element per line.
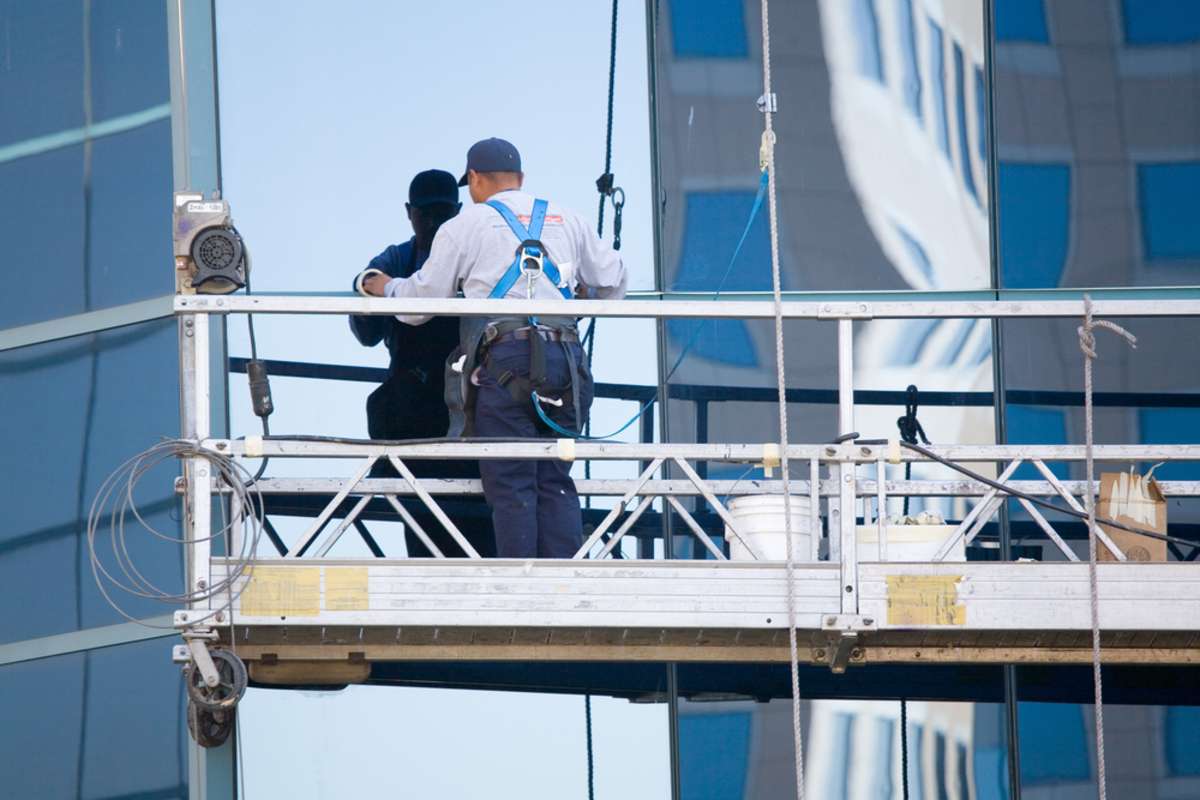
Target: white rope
<point x="767" y="162"/>
<point x="1087" y="343"/>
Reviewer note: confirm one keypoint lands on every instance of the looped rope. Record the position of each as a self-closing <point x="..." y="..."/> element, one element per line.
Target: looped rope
<point x="1087" y="344"/>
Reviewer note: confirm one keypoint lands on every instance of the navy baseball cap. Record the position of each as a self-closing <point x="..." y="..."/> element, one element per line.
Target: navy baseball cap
<point x="491" y="155"/>
<point x="432" y="186"/>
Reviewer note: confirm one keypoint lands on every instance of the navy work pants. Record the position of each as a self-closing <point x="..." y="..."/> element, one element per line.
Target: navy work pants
<point x="535" y="509"/>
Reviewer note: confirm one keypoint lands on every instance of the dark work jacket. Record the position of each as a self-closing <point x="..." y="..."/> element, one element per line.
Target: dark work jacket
<point x="421" y="348"/>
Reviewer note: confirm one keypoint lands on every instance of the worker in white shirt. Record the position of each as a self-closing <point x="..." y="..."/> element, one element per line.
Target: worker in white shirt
<point x="518" y="372"/>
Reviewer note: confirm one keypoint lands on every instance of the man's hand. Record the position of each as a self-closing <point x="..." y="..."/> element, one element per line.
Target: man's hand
<point x="375" y="284"/>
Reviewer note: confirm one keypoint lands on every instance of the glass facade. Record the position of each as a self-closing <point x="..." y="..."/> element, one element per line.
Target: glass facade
<point x="916" y="153"/>
<point x="93" y="704"/>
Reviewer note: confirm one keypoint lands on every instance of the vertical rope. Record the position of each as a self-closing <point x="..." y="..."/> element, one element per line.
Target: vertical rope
<point x="591" y="763"/>
<point x="1087" y="343"/>
<point x="767" y="162"/>
<point x="612" y="81"/>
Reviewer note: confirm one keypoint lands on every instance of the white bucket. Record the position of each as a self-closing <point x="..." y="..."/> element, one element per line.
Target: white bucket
<point x="908" y="543"/>
<point x="762" y="525"/>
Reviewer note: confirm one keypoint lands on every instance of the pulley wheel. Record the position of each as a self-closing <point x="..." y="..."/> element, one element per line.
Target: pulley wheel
<point x="209" y="728"/>
<point x="226" y="694"/>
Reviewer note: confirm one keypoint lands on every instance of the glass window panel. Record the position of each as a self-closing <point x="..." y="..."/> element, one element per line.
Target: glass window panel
<point x="128" y="240"/>
<point x="1035" y="220"/>
<point x="715" y="748"/>
<point x="103" y="724"/>
<point x="41" y="69"/>
<point x="129" y="57"/>
<point x="41" y="226"/>
<point x="43" y="711"/>
<point x="709" y="29"/>
<point x="1182" y="725"/>
<point x="135" y="735"/>
<point x="1157" y="22"/>
<point x="1021" y="21"/>
<point x="1170" y="207"/>
<point x="1120" y="122"/>
<point x="130" y="256"/>
<point x="89" y="403"/>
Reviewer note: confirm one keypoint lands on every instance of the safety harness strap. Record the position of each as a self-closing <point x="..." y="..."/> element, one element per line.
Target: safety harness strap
<point x="526" y="236"/>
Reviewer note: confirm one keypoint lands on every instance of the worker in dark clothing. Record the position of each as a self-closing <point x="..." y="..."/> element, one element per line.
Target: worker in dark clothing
<point x="524" y="377"/>
<point x="410" y="404"/>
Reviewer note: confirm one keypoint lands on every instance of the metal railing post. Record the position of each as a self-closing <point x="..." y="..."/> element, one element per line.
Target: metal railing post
<point x="195" y="398"/>
<point x="844" y="530"/>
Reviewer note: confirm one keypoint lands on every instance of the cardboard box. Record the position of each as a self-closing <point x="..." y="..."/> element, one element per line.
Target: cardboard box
<point x="1134" y="500"/>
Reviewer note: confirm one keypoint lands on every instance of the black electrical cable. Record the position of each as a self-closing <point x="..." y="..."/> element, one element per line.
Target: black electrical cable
<point x="1008" y="490"/>
<point x="260" y="388"/>
<point x="904" y="746"/>
<point x="591" y="763"/>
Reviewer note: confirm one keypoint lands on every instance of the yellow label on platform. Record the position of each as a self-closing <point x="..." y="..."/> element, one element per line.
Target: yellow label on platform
<point x="346" y="589"/>
<point x="924" y="600"/>
<point x="282" y="592"/>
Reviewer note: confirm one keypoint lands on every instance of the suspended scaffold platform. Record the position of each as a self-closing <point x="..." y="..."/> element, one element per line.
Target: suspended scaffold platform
<point x="304" y="607"/>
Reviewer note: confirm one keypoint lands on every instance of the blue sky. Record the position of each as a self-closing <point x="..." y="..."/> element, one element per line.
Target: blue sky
<point x="326" y="113"/>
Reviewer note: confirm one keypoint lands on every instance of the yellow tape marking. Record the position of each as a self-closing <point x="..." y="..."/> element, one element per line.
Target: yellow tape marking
<point x="346" y="589"/>
<point x="924" y="600"/>
<point x="282" y="592"/>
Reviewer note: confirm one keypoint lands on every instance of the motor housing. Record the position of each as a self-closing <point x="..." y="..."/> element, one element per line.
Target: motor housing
<point x="210" y="256"/>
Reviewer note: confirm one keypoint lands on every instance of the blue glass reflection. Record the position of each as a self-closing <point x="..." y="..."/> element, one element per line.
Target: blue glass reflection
<point x="1034" y="425"/>
<point x="841" y="737"/>
<point x="42" y="230"/>
<point x="937" y="75"/>
<point x="1170" y="426"/>
<point x="713" y="222"/>
<point x="129" y="57"/>
<point x="1155" y="22"/>
<point x="91" y="402"/>
<point x="1053" y="741"/>
<point x="960" y="105"/>
<point x="1021" y="21"/>
<point x="131" y="217"/>
<point x="714" y="755"/>
<point x="709" y="29"/>
<point x="1182" y="734"/>
<point x="1035" y="214"/>
<point x="866" y="36"/>
<point x="1169" y="210"/>
<point x="910" y="83"/>
<point x="42" y="76"/>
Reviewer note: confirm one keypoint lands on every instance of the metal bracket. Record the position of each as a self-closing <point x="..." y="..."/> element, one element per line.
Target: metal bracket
<point x="843" y="632"/>
<point x="768" y="103"/>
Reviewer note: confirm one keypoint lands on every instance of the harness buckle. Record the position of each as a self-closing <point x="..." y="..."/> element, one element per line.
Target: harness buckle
<point x="532" y="257"/>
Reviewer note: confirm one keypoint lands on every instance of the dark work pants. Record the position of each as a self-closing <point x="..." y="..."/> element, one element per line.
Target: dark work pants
<point x="406" y="407"/>
<point x="535" y="509"/>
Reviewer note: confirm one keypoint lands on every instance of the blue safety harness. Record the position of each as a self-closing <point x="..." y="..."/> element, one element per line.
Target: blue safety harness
<point x="531" y="254"/>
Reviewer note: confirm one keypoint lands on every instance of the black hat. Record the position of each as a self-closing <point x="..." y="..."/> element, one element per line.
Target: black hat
<point x="432" y="186"/>
<point x="491" y="155"/>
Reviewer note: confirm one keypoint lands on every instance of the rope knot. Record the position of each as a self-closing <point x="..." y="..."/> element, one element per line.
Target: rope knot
<point x="1087" y="334"/>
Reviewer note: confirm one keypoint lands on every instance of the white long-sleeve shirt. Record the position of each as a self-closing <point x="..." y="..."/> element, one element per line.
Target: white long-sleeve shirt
<point x="474" y="250"/>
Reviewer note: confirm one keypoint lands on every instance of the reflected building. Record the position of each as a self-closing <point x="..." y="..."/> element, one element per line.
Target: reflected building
<point x="1005" y="145"/>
